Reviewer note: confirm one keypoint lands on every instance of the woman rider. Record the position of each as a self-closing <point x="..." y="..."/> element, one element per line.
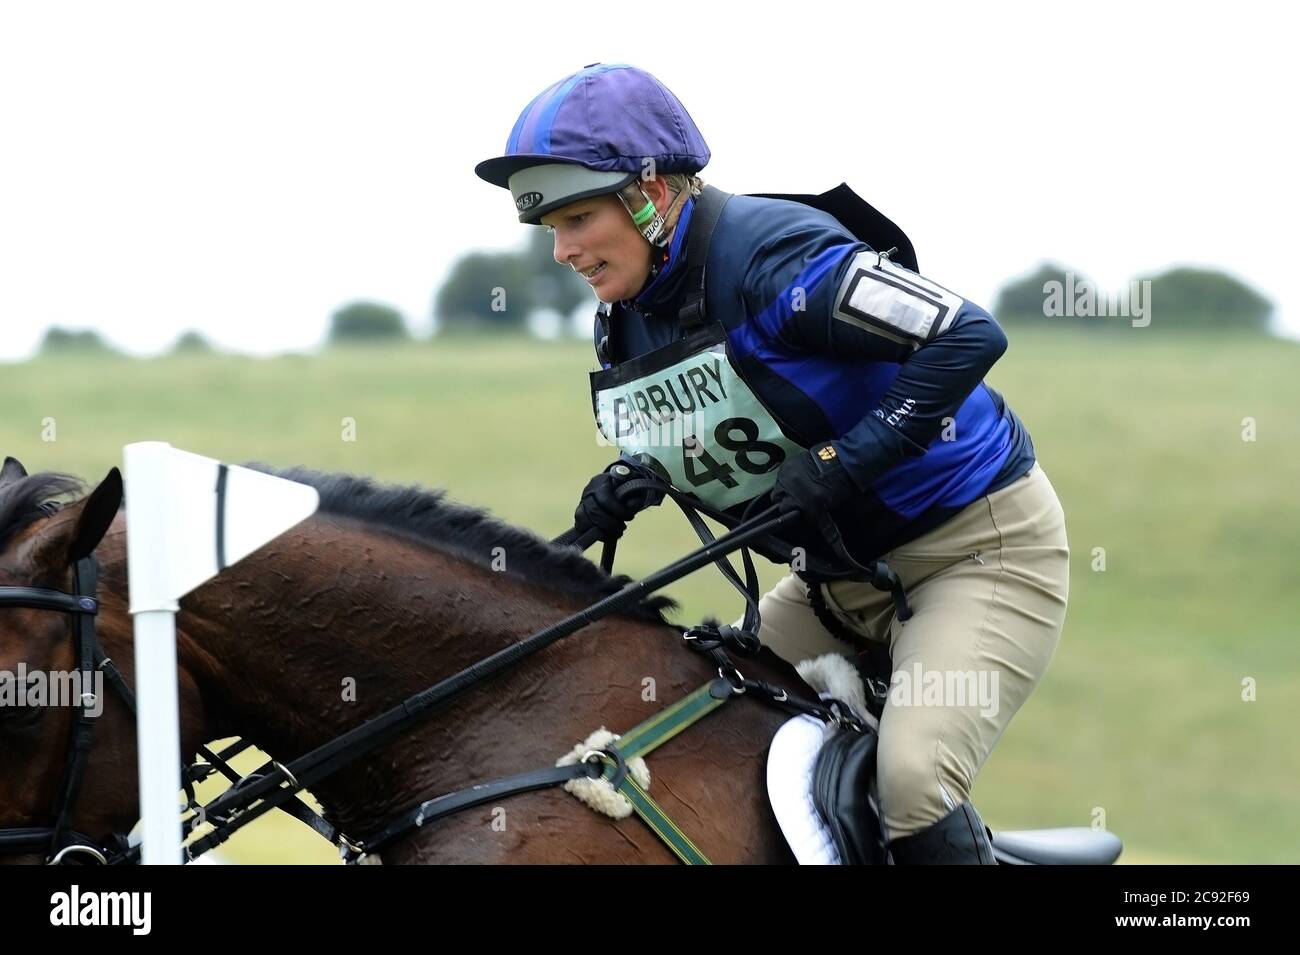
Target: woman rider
<point x="812" y="367"/>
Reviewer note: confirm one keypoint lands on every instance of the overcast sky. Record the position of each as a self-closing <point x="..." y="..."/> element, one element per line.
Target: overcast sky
<point x="245" y="168"/>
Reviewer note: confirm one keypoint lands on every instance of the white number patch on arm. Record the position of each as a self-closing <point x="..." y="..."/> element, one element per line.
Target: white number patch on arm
<point x="889" y="300"/>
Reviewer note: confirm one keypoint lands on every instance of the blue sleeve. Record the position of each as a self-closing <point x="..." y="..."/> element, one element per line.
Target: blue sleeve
<point x="820" y="294"/>
<point x="931" y="386"/>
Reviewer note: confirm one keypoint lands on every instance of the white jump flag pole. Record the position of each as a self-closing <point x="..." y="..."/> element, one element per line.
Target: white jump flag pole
<point x="187" y="519"/>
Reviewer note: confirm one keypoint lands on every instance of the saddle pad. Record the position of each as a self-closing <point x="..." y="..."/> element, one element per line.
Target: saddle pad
<point x="790" y="761"/>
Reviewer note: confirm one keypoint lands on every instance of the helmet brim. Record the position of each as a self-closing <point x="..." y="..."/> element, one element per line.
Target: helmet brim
<point x="540" y="188"/>
<point x="499" y="169"/>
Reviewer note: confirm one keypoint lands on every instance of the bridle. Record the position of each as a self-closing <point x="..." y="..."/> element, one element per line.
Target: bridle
<point x="59" y="842"/>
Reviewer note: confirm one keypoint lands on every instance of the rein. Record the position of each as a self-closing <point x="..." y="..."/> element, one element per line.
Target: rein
<point x="275" y="785"/>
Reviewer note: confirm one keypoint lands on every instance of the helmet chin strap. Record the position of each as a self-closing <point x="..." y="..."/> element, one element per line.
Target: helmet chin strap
<point x="649" y="221"/>
<point x="651" y="224"/>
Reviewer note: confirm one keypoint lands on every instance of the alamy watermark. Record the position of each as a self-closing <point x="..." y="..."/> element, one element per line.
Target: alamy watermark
<point x="133" y="910"/>
<point x="657" y="428"/>
<point x="920" y="687"/>
<point x="33" y="688"/>
<point x="1080" y="298"/>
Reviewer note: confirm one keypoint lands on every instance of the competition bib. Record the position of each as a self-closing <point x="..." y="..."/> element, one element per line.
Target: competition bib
<point x="684" y="412"/>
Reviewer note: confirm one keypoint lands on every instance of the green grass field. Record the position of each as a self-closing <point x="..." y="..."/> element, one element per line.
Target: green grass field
<point x="1141" y="715"/>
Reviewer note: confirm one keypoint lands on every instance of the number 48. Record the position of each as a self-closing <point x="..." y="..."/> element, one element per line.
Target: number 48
<point x="703" y="468"/>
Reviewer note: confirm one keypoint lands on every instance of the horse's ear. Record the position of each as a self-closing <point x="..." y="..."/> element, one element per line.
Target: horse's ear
<point x="76" y="530"/>
<point x="12" y="470"/>
<point x="97" y="514"/>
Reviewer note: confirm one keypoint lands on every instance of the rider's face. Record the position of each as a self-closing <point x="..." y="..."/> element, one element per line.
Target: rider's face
<point x="599" y="230"/>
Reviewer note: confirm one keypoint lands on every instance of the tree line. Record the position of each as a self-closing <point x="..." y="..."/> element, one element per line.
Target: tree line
<point x="503" y="291"/>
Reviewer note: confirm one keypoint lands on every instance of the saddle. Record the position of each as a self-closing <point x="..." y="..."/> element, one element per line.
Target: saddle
<point x="844" y="795"/>
<point x="820" y="775"/>
<point x="821" y="786"/>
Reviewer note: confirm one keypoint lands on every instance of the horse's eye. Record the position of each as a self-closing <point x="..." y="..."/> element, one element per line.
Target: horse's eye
<point x="13" y="717"/>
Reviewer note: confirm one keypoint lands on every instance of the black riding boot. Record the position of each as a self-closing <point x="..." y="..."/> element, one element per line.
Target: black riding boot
<point x="959" y="838"/>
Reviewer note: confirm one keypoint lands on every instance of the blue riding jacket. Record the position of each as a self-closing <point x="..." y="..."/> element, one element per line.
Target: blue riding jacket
<point x="838" y="358"/>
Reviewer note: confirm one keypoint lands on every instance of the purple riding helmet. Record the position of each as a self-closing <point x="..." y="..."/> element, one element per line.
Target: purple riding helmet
<point x="592" y="133"/>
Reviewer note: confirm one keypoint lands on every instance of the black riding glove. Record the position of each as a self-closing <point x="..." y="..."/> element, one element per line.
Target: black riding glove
<point x="813" y="484"/>
<point x="602" y="508"/>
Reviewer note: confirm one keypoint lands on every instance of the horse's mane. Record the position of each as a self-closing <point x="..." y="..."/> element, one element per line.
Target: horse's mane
<point x="410" y="511"/>
<point x="467" y="533"/>
<point x="25" y="500"/>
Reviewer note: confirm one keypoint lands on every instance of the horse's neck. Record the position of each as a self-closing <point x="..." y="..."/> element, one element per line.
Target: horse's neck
<point x="331" y="625"/>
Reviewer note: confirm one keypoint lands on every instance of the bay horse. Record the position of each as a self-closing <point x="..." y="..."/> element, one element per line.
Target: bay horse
<point x="384" y="591"/>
